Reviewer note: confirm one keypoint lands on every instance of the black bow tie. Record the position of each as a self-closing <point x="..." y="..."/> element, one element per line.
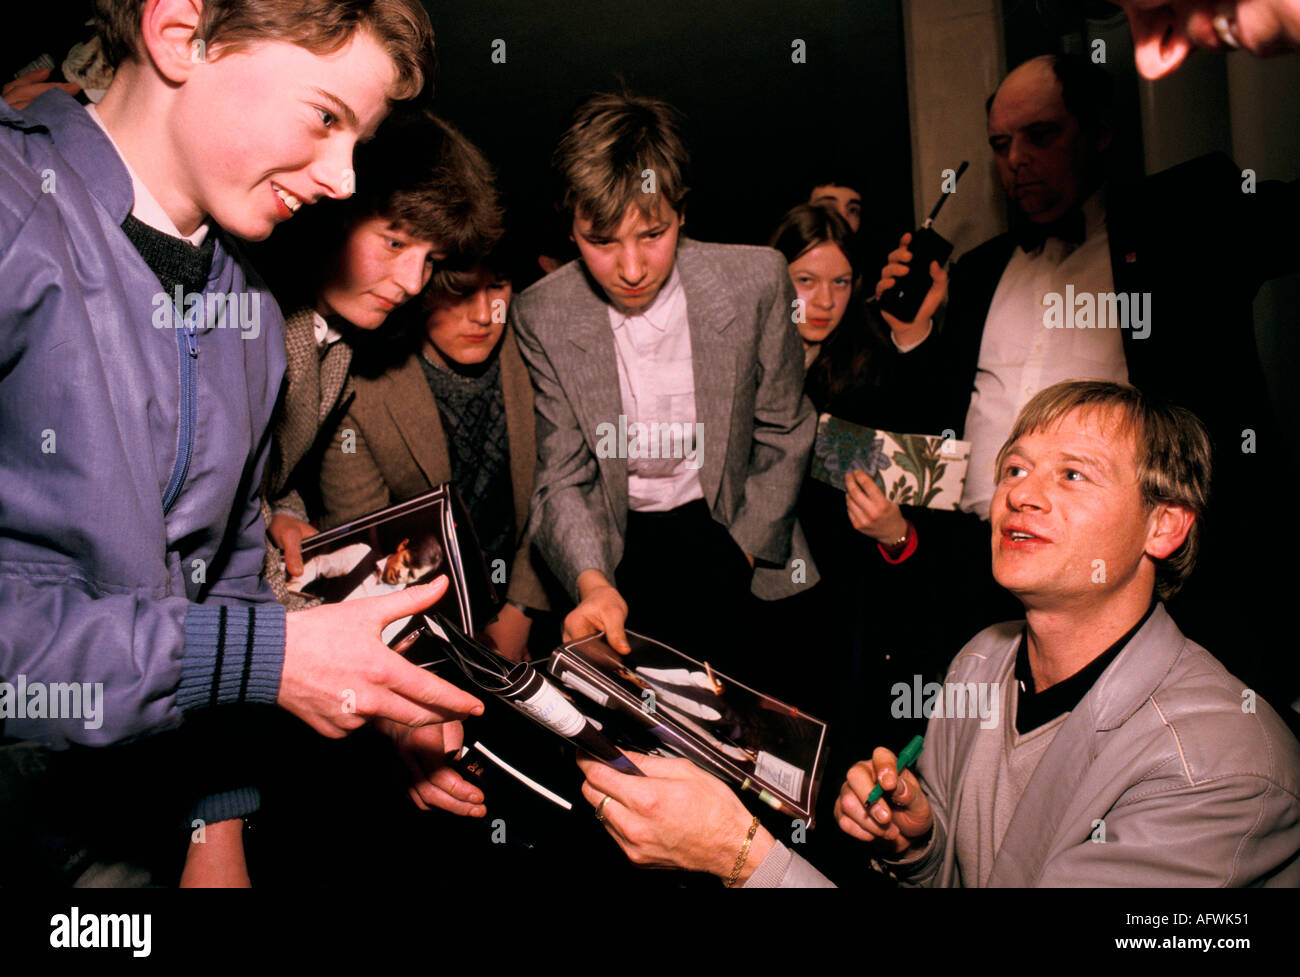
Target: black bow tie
<point x="1070" y="228"/>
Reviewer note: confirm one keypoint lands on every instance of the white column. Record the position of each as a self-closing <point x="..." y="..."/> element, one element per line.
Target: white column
<point x="955" y="57"/>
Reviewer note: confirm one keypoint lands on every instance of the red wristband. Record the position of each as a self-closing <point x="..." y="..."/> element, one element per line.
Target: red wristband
<point x="909" y="547"/>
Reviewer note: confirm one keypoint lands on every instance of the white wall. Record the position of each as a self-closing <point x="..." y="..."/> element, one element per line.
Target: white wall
<point x="955" y="58"/>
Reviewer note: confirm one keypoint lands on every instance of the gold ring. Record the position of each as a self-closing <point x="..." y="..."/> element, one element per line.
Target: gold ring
<point x="600" y="808"/>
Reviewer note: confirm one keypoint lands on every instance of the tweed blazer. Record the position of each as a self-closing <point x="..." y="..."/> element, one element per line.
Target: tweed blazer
<point x="401" y="452"/>
<point x="314" y="385"/>
<point x="314" y="388"/>
<point x="758" y="427"/>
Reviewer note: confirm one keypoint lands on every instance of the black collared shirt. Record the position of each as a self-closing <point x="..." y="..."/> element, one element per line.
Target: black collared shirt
<point x="1033" y="709"/>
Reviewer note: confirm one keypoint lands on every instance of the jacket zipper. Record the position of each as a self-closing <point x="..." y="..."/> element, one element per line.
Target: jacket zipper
<point x="187" y="346"/>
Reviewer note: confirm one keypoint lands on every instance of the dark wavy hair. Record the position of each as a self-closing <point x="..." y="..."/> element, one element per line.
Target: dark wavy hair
<point x="421" y="173"/>
<point x="846" y="353"/>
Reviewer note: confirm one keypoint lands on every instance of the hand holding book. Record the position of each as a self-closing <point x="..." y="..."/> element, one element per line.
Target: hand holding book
<point x="926" y="470"/>
<point x="287" y="532"/>
<point x="676" y="816"/>
<point x="602" y="608"/>
<point x="427" y="752"/>
<point x="870" y="513"/>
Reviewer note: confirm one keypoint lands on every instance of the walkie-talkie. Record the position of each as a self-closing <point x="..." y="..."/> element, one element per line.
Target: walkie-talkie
<point x="905" y="298"/>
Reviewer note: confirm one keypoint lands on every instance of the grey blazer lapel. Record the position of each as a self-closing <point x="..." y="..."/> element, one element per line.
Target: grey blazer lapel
<point x="415" y="415"/>
<point x="1061" y="780"/>
<point x="999" y="662"/>
<point x="713" y="359"/>
<point x="593" y="365"/>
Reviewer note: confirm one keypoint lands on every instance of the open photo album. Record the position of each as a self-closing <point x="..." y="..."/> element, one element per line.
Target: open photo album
<point x="412" y="542"/>
<point x="654" y="700"/>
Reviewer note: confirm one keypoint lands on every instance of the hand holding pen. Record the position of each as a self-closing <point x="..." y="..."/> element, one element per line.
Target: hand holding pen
<point x="884" y="807"/>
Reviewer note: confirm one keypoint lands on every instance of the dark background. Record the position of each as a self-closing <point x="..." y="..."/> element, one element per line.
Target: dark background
<point x="760" y="126"/>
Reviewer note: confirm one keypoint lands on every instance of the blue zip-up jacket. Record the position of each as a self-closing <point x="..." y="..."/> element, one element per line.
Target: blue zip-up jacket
<point x="131" y="451"/>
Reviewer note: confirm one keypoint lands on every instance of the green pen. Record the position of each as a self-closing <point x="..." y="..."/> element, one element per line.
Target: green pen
<point x="905" y="760"/>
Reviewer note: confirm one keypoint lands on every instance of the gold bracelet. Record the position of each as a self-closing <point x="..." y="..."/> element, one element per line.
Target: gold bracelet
<point x="896" y="546"/>
<point x="744" y="854"/>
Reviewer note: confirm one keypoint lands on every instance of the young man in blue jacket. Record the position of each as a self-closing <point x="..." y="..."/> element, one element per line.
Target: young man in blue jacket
<point x="139" y="364"/>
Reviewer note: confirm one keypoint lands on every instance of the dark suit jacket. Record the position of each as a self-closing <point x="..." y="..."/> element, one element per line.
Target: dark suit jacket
<point x="401" y="452"/>
<point x="1201" y="247"/>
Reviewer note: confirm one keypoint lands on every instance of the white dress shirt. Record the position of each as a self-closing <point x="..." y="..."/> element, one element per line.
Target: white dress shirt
<point x="657" y="381"/>
<point x="1019" y="355"/>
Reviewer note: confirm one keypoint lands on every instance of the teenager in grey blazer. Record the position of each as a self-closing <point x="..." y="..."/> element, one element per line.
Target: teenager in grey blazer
<point x="1091" y="744"/>
<point x="649" y="332"/>
<point x="748" y="384"/>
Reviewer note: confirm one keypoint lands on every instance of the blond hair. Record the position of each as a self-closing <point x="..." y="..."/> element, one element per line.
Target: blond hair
<point x="1173" y="455"/>
<point x="620" y="149"/>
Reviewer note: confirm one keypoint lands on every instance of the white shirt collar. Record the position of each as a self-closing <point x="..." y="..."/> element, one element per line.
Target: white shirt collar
<point x="146" y="208"/>
<point x="326" y="334"/>
<point x="658" y="312"/>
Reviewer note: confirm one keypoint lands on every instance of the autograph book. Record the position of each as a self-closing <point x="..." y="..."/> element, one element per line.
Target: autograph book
<point x="910" y="469"/>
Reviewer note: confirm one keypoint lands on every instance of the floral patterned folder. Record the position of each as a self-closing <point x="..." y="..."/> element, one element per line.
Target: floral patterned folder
<point x="911" y="469"/>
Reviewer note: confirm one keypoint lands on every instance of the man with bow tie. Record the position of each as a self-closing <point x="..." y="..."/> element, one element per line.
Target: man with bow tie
<point x="1193" y="244"/>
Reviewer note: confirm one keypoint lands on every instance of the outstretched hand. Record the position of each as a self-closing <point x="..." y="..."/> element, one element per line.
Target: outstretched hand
<point x="602" y="608"/>
<point x="338" y="673"/>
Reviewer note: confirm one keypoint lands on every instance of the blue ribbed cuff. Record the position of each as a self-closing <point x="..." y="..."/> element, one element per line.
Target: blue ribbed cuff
<point x="225" y="806"/>
<point x="232" y="654"/>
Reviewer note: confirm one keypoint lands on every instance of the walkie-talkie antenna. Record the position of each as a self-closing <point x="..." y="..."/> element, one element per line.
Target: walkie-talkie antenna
<point x="943" y="197"/>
